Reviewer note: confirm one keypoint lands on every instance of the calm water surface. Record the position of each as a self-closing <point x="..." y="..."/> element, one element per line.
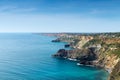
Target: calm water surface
<point x="28" y="57"/>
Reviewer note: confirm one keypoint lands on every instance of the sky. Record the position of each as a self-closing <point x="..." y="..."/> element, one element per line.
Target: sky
<point x="59" y="15"/>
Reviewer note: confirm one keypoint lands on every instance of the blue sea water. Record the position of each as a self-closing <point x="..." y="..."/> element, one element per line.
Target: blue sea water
<point x="25" y="56"/>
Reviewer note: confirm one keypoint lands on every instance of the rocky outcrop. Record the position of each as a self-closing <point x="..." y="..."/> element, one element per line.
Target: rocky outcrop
<point x="84" y="56"/>
<point x="89" y="56"/>
<point x="61" y="53"/>
<point x="66" y="53"/>
<point x="56" y="40"/>
<point x="67" y="45"/>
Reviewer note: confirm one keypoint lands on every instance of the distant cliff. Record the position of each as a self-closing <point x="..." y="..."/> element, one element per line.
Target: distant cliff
<point x="100" y="50"/>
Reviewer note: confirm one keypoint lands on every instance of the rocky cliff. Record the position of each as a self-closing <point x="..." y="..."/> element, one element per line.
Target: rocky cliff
<point x="100" y="51"/>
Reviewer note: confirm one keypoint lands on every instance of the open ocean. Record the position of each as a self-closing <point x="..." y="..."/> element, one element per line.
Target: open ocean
<point x="26" y="56"/>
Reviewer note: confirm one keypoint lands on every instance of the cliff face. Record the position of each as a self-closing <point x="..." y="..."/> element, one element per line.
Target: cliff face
<point x="108" y="61"/>
<point x="115" y="75"/>
<point x="82" y="41"/>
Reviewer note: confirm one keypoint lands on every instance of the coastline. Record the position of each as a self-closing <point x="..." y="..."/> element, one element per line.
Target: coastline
<point x="78" y="64"/>
<point x="93" y="55"/>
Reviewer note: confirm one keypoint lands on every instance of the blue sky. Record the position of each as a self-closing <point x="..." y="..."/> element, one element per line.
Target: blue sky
<point x="59" y="15"/>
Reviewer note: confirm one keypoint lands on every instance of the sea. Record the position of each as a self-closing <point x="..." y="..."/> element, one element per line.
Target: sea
<point x="28" y="56"/>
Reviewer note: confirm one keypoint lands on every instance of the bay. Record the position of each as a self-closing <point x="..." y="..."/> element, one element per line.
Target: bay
<point x="27" y="56"/>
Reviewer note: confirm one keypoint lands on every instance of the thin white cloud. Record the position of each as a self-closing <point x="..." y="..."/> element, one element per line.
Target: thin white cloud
<point x="24" y="10"/>
<point x="14" y="9"/>
<point x="7" y="8"/>
<point x="96" y="11"/>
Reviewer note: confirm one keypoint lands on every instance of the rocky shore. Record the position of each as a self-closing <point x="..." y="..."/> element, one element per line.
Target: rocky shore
<point x="99" y="51"/>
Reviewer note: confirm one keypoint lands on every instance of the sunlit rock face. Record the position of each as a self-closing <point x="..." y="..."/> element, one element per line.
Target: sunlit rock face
<point x="115" y="75"/>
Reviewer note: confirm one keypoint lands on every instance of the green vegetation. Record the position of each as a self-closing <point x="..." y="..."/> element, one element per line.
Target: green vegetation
<point x="116" y="52"/>
<point x="76" y="41"/>
<point x="93" y="42"/>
